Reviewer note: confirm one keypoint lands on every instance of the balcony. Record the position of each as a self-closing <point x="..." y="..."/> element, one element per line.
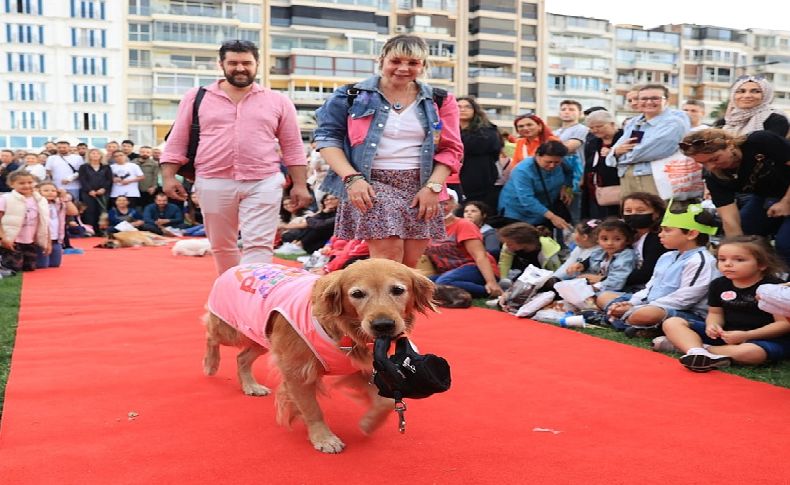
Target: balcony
<point x="490" y="72"/>
<point x="447" y="6"/>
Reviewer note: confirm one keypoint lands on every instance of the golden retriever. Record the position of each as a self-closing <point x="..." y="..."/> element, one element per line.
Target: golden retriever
<point x="130" y="239"/>
<point x="369" y="299"/>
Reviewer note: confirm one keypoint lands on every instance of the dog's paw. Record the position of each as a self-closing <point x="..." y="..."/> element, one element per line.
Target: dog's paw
<point x="371" y="421"/>
<point x="328" y="444"/>
<point x="256" y="390"/>
<point x="210" y="366"/>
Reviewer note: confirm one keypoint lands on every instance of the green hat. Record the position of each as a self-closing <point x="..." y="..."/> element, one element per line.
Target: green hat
<point x="686" y="220"/>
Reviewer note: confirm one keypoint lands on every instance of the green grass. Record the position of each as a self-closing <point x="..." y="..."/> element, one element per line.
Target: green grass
<point x="9" y="313"/>
<point x="776" y="374"/>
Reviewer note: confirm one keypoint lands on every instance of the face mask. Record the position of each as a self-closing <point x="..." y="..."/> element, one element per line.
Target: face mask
<point x="639" y="221"/>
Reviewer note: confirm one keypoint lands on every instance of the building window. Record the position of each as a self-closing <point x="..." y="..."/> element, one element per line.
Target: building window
<point x="28" y="120"/>
<point x="90" y="121"/>
<point x="253" y="36"/>
<point x="87" y="9"/>
<point x="24" y="91"/>
<point x="139" y="32"/>
<point x="89" y="93"/>
<point x="140" y="7"/>
<point x="89" y="66"/>
<point x="31" y="7"/>
<point x="25" y="62"/>
<point x="88" y="37"/>
<point x="139" y="58"/>
<point x="193" y="32"/>
<point x="24" y="33"/>
<point x="140" y="110"/>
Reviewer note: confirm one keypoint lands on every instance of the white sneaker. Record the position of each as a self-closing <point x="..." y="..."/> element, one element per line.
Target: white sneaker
<point x="700" y="360"/>
<point x="662" y="344"/>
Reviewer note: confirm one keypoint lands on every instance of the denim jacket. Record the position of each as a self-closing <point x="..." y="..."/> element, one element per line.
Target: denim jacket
<point x="357" y="130"/>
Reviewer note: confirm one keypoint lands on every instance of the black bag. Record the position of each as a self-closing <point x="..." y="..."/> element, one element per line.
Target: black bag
<point x="407" y="374"/>
<point x="188" y="169"/>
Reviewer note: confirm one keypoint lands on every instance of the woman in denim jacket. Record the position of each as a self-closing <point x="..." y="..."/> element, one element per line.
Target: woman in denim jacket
<point x="390" y="148"/>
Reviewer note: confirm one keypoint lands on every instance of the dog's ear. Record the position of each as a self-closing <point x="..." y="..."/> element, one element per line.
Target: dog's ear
<point x="423" y="289"/>
<point x="328" y="295"/>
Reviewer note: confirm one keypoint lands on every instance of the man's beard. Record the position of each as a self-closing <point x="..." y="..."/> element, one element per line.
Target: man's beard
<point x="248" y="79"/>
<point x="144" y="157"/>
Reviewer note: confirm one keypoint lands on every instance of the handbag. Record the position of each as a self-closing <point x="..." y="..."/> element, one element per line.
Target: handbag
<point x="606" y="196"/>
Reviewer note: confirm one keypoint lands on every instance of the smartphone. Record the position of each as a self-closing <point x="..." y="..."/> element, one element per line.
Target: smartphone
<point x="638" y="134"/>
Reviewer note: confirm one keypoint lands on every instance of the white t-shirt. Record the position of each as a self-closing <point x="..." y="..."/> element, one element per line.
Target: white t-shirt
<point x="38" y="170"/>
<point x="401" y="142"/>
<point x="127" y="170"/>
<point x="64" y="167"/>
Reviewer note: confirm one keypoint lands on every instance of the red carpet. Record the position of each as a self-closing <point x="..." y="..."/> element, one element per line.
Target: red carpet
<point x="115" y="332"/>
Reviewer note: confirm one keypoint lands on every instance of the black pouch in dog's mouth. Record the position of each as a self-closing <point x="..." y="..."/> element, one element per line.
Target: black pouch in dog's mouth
<point x="408" y="374"/>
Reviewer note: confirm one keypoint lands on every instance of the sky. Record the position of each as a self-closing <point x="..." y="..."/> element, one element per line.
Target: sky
<point x="760" y="14"/>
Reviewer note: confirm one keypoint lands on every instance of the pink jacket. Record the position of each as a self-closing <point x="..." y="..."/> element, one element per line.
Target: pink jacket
<point x="245" y="297"/>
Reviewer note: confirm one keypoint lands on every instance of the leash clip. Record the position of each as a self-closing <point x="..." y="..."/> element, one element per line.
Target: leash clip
<point x="400" y="408"/>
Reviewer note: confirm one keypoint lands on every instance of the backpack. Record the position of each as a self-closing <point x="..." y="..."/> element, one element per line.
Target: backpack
<point x="188" y="170"/>
<point x="439" y="95"/>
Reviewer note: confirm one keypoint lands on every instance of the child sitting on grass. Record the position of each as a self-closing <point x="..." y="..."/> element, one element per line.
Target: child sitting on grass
<point x="681" y="277"/>
<point x="736" y="329"/>
<point x="608" y="267"/>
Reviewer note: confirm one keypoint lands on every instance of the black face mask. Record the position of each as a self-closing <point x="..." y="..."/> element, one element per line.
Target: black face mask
<point x="639" y="221"/>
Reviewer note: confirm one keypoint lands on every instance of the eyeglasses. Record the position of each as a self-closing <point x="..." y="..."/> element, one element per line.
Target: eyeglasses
<point x="654" y="99"/>
<point x="699" y="144"/>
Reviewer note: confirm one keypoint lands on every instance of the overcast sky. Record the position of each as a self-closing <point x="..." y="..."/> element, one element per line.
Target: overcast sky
<point x="761" y="14"/>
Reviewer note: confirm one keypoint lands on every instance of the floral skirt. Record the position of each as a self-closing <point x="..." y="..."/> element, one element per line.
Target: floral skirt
<point x="390" y="215"/>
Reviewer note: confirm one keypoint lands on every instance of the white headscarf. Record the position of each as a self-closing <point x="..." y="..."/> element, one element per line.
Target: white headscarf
<point x="744" y="121"/>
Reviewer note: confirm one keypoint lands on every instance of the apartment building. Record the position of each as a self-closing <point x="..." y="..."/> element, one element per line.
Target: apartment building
<point x="646" y="57"/>
<point x="771" y="57"/>
<point x="61" y="66"/>
<point x="171" y="46"/>
<point x="580" y="63"/>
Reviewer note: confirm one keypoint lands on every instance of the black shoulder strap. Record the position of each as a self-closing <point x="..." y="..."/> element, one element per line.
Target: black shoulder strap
<point x="194" y="128"/>
<point x="439" y="95"/>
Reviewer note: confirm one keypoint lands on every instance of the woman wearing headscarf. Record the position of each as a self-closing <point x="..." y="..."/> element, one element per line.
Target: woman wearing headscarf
<point x="750" y="108"/>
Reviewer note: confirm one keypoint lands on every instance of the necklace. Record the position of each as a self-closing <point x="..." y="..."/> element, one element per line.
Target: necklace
<point x="397" y="106"/>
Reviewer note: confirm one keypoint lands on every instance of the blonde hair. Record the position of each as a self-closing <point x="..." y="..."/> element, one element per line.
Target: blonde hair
<point x="710" y="140"/>
<point x="406" y="45"/>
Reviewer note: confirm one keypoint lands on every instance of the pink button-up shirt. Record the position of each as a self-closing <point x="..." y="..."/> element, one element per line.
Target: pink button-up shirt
<point x="238" y="141"/>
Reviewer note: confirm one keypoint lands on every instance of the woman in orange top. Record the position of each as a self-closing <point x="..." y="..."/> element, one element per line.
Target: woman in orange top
<point x="533" y="132"/>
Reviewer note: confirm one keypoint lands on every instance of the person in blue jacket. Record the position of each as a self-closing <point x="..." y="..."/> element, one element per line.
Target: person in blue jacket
<point x="161" y="214"/>
<point x="538" y="188"/>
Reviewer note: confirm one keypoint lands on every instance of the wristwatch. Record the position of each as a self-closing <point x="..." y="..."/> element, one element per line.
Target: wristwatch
<point x="435" y="187"/>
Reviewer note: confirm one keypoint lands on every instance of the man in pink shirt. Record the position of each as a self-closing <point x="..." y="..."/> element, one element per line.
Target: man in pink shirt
<point x="237" y="167"/>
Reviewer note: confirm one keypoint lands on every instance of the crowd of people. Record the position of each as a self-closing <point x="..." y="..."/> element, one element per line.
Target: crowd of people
<point x="400" y="170"/>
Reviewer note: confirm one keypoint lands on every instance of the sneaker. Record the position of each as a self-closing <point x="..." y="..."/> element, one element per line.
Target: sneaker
<point x="493" y="303"/>
<point x="662" y="344"/>
<point x="704" y="361"/>
<point x="595" y="317"/>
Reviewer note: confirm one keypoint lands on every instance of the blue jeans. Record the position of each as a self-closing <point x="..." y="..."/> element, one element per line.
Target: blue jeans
<point x="51" y="260"/>
<point x="197" y="231"/>
<point x="754" y="220"/>
<point x="467" y="277"/>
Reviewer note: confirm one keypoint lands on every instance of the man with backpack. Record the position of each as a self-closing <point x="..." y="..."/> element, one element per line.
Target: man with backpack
<point x="235" y="140"/>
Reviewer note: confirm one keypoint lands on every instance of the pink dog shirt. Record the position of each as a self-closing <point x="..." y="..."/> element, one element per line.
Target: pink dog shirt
<point x="245" y="297"/>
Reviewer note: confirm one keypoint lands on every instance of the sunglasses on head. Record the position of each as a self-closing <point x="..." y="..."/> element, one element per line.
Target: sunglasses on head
<point x="699" y="143"/>
<point x="751" y="77"/>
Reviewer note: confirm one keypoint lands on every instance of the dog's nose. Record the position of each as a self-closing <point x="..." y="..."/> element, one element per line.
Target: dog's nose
<point x="383" y="326"/>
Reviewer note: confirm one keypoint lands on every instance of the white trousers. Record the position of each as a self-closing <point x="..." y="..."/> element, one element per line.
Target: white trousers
<point x="251" y="207"/>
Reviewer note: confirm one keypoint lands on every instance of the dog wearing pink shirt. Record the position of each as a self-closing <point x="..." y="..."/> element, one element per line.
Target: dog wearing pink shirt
<point x="313" y="326"/>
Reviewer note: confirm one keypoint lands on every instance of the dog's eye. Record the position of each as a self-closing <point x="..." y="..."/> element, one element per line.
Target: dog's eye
<point x="397" y="290"/>
<point x="357" y="294"/>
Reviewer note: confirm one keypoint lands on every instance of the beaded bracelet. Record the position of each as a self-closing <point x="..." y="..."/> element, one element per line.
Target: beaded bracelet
<point x="347" y="177"/>
<point x="347" y="181"/>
